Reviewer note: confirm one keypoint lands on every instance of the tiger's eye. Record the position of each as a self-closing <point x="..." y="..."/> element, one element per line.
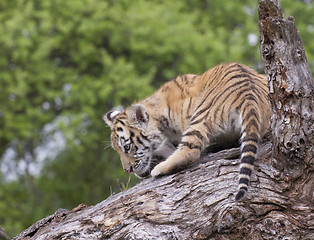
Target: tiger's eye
<point x="127" y="147"/>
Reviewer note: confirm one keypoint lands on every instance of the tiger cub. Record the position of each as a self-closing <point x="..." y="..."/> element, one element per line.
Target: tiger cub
<point x="169" y="130"/>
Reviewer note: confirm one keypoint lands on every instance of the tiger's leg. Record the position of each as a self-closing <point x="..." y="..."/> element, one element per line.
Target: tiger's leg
<point x="189" y="150"/>
<point x="164" y="151"/>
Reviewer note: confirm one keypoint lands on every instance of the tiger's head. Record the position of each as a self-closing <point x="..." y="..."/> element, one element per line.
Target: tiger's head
<point x="135" y="138"/>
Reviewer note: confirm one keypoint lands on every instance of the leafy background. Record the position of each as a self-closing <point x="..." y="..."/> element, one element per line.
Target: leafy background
<point x="63" y="64"/>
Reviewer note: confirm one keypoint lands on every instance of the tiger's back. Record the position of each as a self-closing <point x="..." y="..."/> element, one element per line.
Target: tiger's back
<point x="191" y="112"/>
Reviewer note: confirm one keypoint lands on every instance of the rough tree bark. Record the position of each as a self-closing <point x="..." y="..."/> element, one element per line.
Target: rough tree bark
<point x="291" y="90"/>
<point x="198" y="203"/>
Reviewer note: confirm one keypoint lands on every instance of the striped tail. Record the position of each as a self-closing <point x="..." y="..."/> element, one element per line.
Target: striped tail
<point x="250" y="137"/>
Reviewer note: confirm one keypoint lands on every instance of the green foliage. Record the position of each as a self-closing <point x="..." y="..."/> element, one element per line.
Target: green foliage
<point x="63" y="64"/>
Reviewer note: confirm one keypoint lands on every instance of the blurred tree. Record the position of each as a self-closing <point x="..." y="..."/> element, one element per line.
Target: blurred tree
<point x="65" y="63"/>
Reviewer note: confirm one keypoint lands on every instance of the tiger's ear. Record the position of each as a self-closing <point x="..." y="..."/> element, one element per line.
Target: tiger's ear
<point x="137" y="114"/>
<point x="110" y="116"/>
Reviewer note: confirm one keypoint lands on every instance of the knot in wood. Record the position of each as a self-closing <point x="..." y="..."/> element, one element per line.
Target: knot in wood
<point x="299" y="53"/>
<point x="266" y="51"/>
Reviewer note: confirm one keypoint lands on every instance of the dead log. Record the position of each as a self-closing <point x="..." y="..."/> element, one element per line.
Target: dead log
<point x="198" y="203"/>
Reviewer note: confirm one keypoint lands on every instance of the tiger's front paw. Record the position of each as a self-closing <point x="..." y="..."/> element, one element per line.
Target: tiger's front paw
<point x="160" y="169"/>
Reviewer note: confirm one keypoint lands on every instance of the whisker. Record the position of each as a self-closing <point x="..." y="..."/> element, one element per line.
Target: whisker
<point x="106" y="147"/>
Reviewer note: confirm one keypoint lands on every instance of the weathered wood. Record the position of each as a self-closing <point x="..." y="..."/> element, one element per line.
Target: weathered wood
<point x="198" y="203"/>
<point x="291" y="88"/>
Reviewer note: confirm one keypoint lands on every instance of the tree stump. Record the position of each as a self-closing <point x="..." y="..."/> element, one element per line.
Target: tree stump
<point x="291" y="88"/>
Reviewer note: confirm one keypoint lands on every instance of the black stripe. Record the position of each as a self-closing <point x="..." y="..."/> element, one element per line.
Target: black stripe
<point x="215" y="70"/>
<point x="195" y="133"/>
<point x="178" y="85"/>
<point x="241" y="193"/>
<point x="209" y="128"/>
<point x="201" y="104"/>
<point x="222" y="120"/>
<point x="189" y="107"/>
<point x="247" y="96"/>
<point x="218" y="96"/>
<point x="109" y="116"/>
<point x="265" y="91"/>
<point x="194" y="77"/>
<point x="239" y="94"/>
<point x="248" y="107"/>
<point x="252" y="122"/>
<point x="241" y="76"/>
<point x="205" y="108"/>
<point x="121" y="122"/>
<point x="139" y="140"/>
<point x="246" y="171"/>
<point x="250" y="114"/>
<point x="258" y="92"/>
<point x="251" y="137"/>
<point x="249" y="148"/>
<point x="251" y="97"/>
<point x="248" y="159"/>
<point x="190" y="145"/>
<point x="229" y="72"/>
<point x="244" y="180"/>
<point x="250" y="73"/>
<point x="198" y="121"/>
<point x="237" y="83"/>
<point x="145" y="138"/>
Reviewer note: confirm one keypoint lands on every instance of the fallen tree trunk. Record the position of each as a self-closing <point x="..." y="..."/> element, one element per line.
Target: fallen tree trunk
<point x="198" y="203"/>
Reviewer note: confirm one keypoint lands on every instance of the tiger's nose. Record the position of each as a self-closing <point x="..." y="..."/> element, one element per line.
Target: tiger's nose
<point x="128" y="170"/>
